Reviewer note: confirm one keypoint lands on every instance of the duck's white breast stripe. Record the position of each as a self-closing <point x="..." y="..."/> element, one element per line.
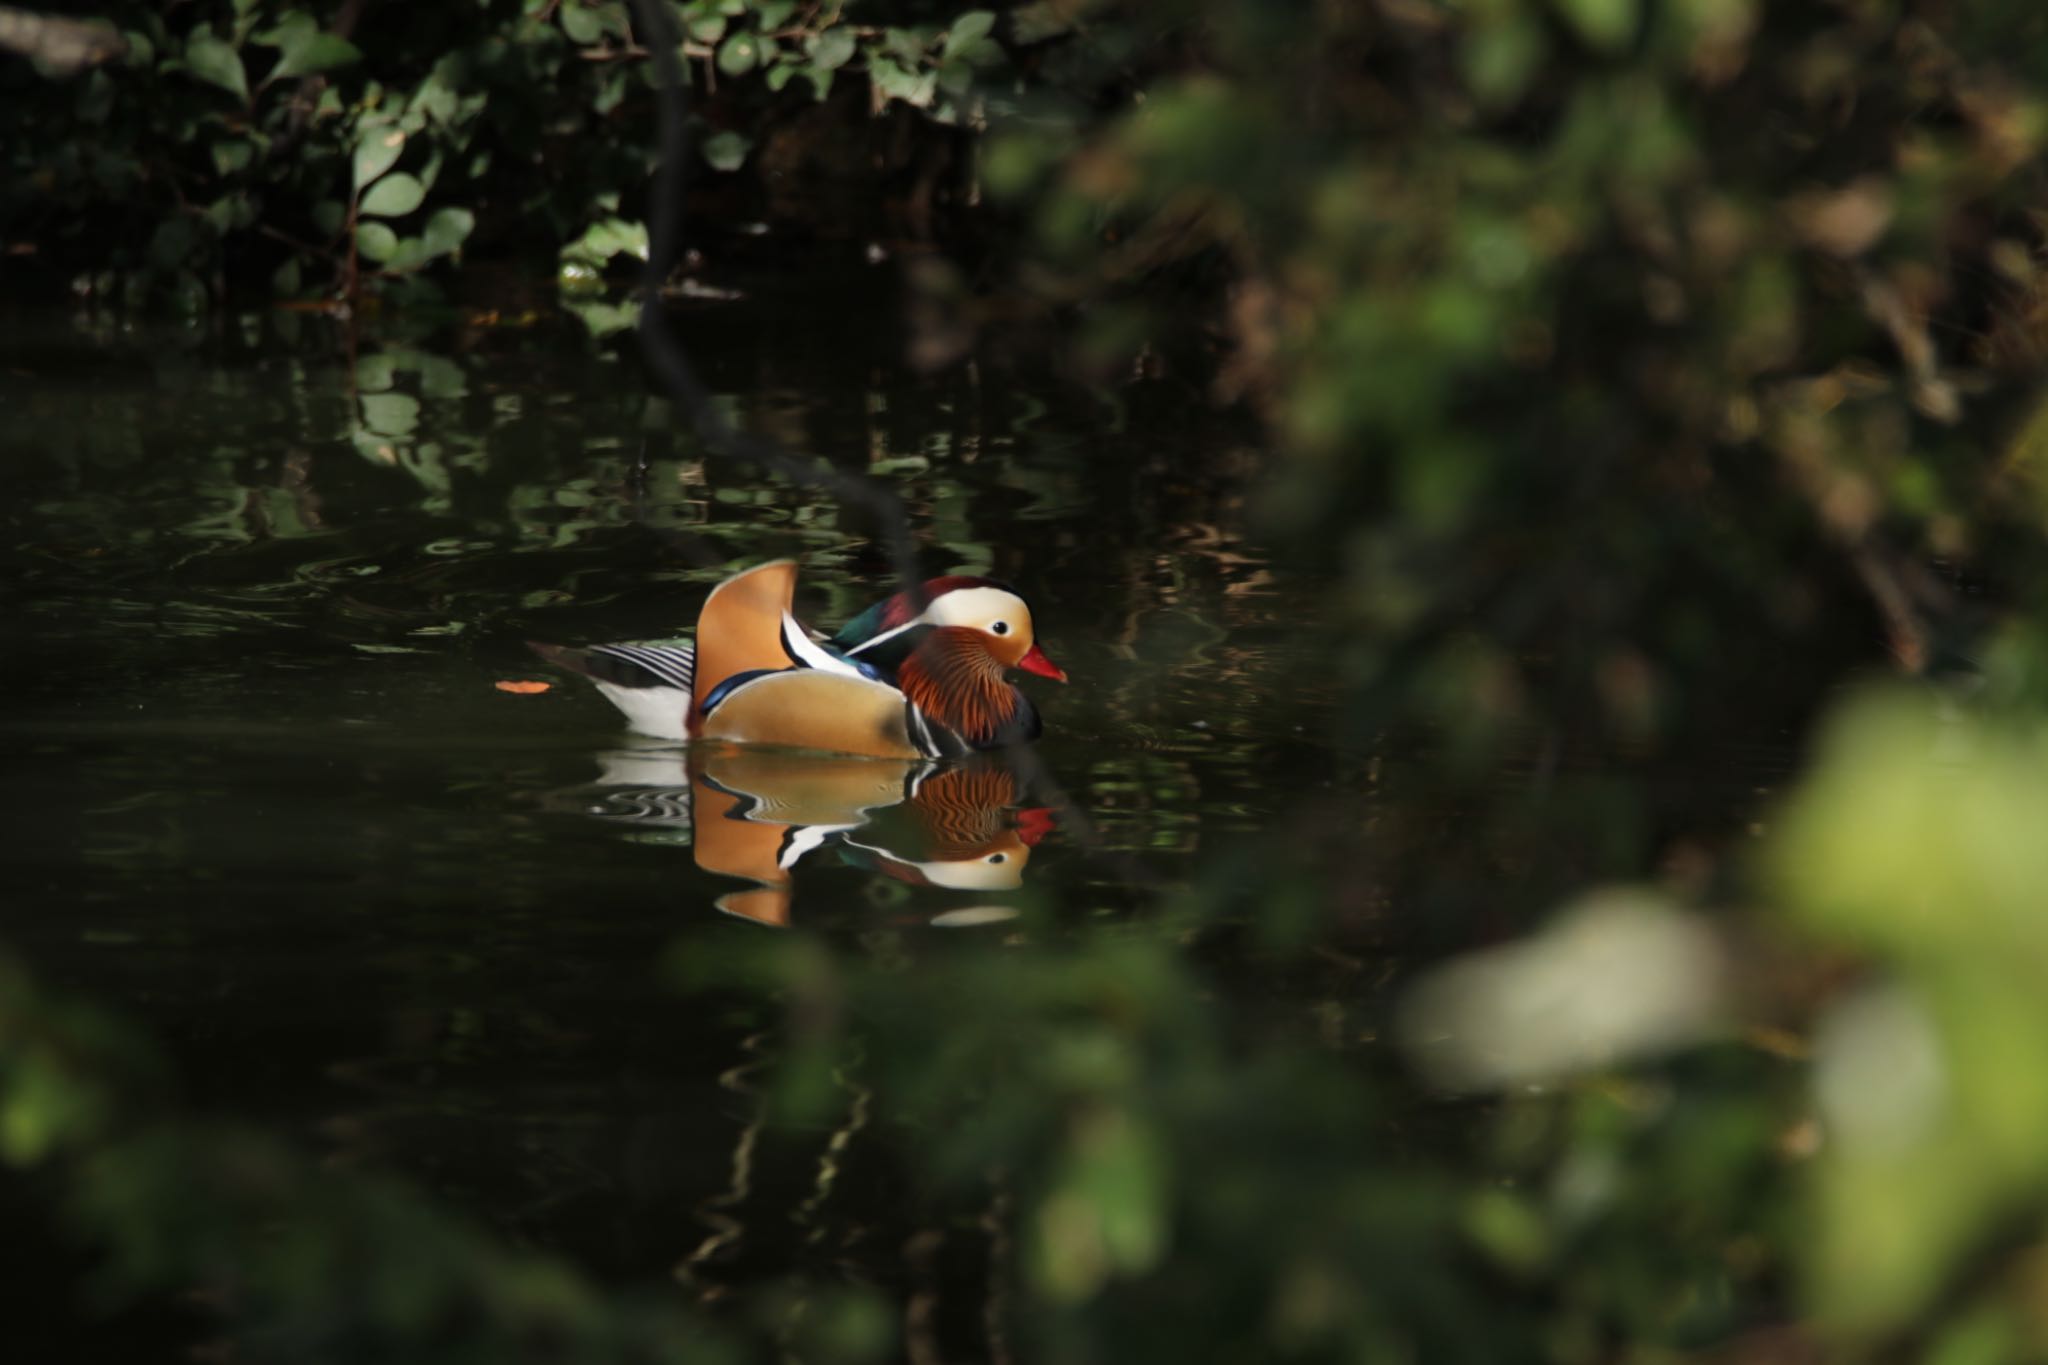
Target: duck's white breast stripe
<point x="807" y="652"/>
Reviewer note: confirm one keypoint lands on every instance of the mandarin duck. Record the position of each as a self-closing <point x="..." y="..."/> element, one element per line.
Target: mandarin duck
<point x="898" y="681"/>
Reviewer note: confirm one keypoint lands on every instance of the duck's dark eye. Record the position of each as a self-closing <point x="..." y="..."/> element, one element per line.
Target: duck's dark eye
<point x="1000" y="628"/>
<point x="997" y="857"/>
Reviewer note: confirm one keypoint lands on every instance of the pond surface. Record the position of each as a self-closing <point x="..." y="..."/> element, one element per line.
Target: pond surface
<point x="263" y="578"/>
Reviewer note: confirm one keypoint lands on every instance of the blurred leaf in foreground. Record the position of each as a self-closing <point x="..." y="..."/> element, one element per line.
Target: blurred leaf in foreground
<point x="1919" y="839"/>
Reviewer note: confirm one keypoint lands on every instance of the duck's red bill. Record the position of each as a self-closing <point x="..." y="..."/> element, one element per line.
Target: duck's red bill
<point x="1034" y="661"/>
<point x="1035" y="824"/>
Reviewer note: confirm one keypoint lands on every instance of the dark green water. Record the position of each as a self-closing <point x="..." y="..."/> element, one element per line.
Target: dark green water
<point x="267" y="802"/>
<point x="260" y="581"/>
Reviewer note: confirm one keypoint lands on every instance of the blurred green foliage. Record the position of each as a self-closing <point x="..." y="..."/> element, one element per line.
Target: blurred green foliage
<point x="310" y="1264"/>
<point x="1609" y="347"/>
<point x="1917" y="843"/>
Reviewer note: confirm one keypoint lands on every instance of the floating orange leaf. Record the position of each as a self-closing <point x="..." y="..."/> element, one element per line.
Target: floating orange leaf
<point x="521" y="686"/>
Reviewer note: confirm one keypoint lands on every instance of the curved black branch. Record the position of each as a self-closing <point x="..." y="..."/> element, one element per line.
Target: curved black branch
<point x="665" y="352"/>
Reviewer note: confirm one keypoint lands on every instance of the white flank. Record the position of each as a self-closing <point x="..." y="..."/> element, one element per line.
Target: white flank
<point x="658" y="711"/>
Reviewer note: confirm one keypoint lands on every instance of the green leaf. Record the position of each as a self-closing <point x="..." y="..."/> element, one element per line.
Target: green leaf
<point x="1035" y="23"/>
<point x="295" y="27"/>
<point x="390" y="414"/>
<point x="285" y="281"/>
<point x="726" y="151"/>
<point x="377" y="151"/>
<point x="770" y="15"/>
<point x="896" y="83"/>
<point x="708" y="28"/>
<point x="982" y="53"/>
<point x="1500" y="57"/>
<point x="441" y="377"/>
<point x="907" y="45"/>
<point x="231" y="212"/>
<point x="603" y="318"/>
<point x="435" y="99"/>
<point x="316" y="53"/>
<point x="214" y="62"/>
<point x="446" y="230"/>
<point x="411" y="255"/>
<point x="580" y="23"/>
<point x="1604" y="24"/>
<point x="376" y="241"/>
<point x="586" y="23"/>
<point x="606" y="239"/>
<point x="831" y="49"/>
<point x="739" y="54"/>
<point x="376" y="371"/>
<point x="393" y="196"/>
<point x="231" y="155"/>
<point x="969" y="29"/>
<point x="781" y="74"/>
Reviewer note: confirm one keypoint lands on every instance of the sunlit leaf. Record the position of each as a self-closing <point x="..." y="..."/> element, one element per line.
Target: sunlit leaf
<point x="831" y="49"/>
<point x="587" y="21"/>
<point x="377" y="151"/>
<point x="739" y="54"/>
<point x="896" y="83"/>
<point x="1040" y="20"/>
<point x="231" y="155"/>
<point x="376" y="371"/>
<point x="1605" y="24"/>
<point x="376" y="241"/>
<point x="1501" y="56"/>
<point x="393" y="196"/>
<point x="726" y="151"/>
<point x="436" y="98"/>
<point x="967" y="30"/>
<point x="216" y="63"/>
<point x="390" y="414"/>
<point x="608" y="238"/>
<point x="908" y="45"/>
<point x="320" y="52"/>
<point x="446" y="230"/>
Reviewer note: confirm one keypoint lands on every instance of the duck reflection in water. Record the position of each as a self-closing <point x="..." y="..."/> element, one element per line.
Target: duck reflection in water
<point x="754" y="813"/>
